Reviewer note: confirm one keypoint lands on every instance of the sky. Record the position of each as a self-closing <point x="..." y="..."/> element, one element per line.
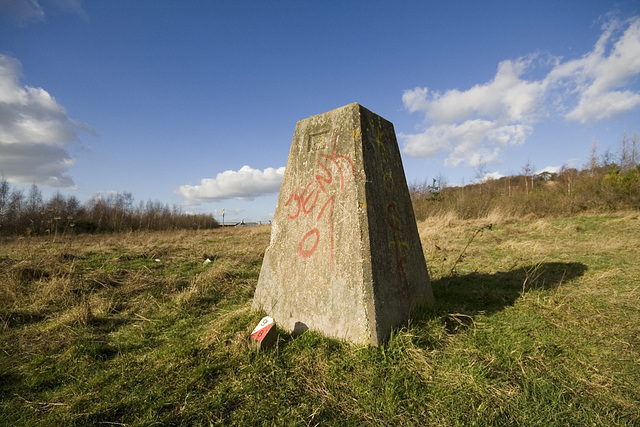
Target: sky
<point x="194" y="103"/>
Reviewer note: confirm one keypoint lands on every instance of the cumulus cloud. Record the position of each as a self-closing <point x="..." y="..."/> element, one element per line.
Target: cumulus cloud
<point x="472" y="141"/>
<point x="475" y="125"/>
<point x="245" y="184"/>
<point x="491" y="176"/>
<point x="507" y="97"/>
<point x="35" y="132"/>
<point x="550" y="169"/>
<point x="598" y="76"/>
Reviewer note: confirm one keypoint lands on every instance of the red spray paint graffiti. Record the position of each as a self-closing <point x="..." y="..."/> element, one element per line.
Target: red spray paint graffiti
<point x="317" y="191"/>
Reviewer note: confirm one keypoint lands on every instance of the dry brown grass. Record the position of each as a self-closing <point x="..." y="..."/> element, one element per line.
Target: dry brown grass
<point x="76" y="279"/>
<point x="537" y="324"/>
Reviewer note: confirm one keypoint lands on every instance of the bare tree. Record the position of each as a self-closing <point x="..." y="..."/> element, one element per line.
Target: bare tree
<point x="527" y="171"/>
<point x="54" y="212"/>
<point x="607" y="158"/>
<point x="5" y="189"/>
<point x="635" y="141"/>
<point x="15" y="210"/>
<point x="34" y="207"/>
<point x="628" y="151"/>
<point x="593" y="163"/>
<point x="442" y="181"/>
<point x="481" y="172"/>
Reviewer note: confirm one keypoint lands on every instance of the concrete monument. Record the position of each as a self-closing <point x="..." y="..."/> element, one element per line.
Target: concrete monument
<point x="345" y="257"/>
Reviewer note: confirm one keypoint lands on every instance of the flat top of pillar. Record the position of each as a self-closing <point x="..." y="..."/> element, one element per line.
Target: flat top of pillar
<point x="353" y="105"/>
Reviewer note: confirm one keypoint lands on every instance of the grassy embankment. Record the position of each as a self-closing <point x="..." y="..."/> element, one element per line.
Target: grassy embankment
<point x="537" y="323"/>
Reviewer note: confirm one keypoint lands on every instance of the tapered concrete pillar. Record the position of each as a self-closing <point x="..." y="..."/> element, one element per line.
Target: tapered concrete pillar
<point x="345" y="257"/>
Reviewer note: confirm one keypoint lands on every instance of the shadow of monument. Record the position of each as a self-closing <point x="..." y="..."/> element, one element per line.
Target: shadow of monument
<point x="458" y="298"/>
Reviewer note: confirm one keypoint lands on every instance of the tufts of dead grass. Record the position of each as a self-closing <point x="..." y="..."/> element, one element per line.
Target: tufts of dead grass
<point x="139" y="341"/>
<point x="125" y="273"/>
<point x="216" y="331"/>
<point x="449" y="222"/>
<point x="78" y="314"/>
<point x="500" y="216"/>
<point x="437" y="231"/>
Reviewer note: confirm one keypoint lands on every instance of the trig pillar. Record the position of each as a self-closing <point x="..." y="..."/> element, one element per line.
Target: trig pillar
<point x="345" y="257"/>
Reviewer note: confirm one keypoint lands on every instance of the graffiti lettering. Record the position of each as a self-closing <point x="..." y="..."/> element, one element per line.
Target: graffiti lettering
<point x="306" y="253"/>
<point x="295" y="197"/>
<point x="303" y="202"/>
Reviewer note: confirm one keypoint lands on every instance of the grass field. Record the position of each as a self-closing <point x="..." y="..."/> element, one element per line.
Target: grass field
<point x="536" y="322"/>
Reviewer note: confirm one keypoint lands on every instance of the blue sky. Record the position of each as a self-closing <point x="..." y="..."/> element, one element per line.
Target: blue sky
<point x="195" y="103"/>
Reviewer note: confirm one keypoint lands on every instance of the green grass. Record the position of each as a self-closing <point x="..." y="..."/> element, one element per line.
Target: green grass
<point x="537" y="324"/>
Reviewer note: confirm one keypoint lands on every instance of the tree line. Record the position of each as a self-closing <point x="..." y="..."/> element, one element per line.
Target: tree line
<point x="27" y="213"/>
<point x="608" y="181"/>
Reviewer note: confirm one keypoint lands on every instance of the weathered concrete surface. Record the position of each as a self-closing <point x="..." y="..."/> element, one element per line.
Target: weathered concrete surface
<point x="345" y="257"/>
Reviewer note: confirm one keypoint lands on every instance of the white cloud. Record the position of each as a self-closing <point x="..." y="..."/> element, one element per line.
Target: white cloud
<point x="416" y="99"/>
<point x="596" y="76"/>
<point x="35" y="132"/>
<point x="506" y="97"/>
<point x="246" y="184"/>
<point x="474" y="126"/>
<point x="550" y="169"/>
<point x="472" y="141"/>
<point x="23" y="12"/>
<point x="490" y="176"/>
<point x="71" y="6"/>
<point x="603" y="105"/>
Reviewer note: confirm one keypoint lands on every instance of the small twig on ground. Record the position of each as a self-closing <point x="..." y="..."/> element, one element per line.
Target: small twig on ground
<point x="478" y="231"/>
<point x="45" y="404"/>
<point x="143" y="318"/>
